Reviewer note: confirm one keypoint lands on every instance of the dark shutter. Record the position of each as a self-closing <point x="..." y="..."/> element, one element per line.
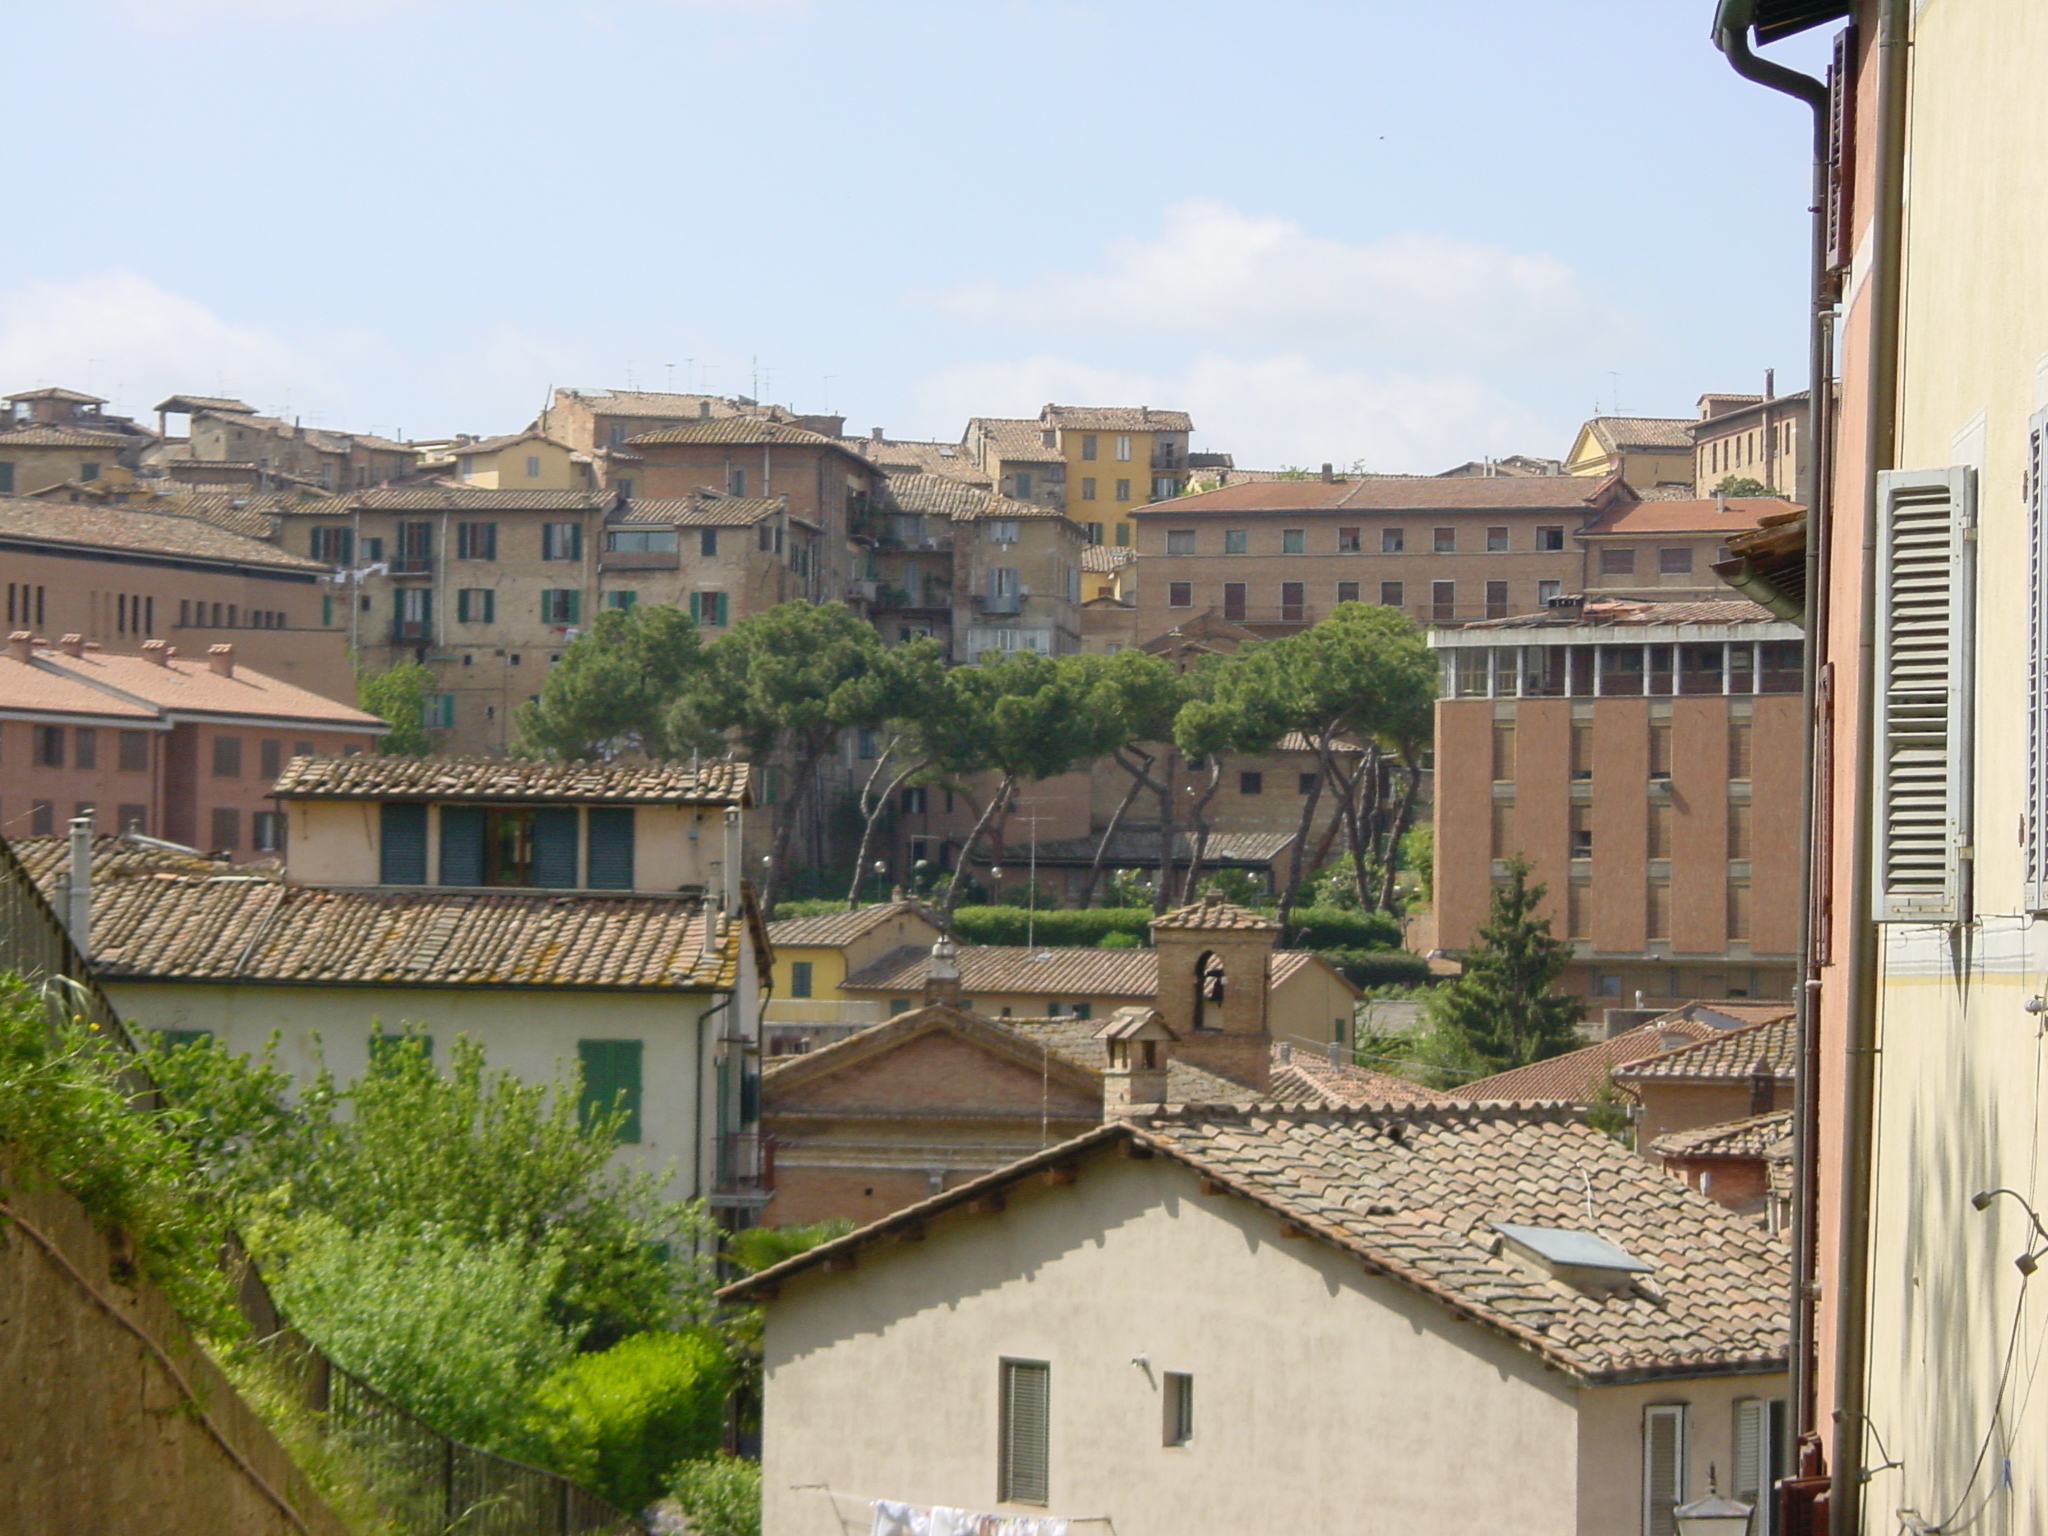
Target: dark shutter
<point x="462" y="845"/>
<point x="611" y="1082"/>
<point x="611" y="848"/>
<point x="554" y="847"/>
<point x="404" y="853"/>
<point x="1026" y="1422"/>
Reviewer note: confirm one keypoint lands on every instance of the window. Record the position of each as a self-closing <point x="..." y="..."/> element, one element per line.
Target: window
<point x="1393" y="540"/>
<point x="915" y="801"/>
<point x="1123" y="535"/>
<point x="270" y="754"/>
<point x="334" y="546"/>
<point x="415" y="613"/>
<point x="227" y="757"/>
<point x="1003" y="530"/>
<point x="6" y="477"/>
<point x="1179" y="1428"/>
<point x="609" y="846"/>
<point x="1664" y="1471"/>
<point x="476" y="541"/>
<point x="1164" y="486"/>
<point x="707" y="543"/>
<point x="476" y="605"/>
<point x="88" y="471"/>
<point x="1348" y="541"/>
<point x="1503" y="752"/>
<point x="1503" y="833"/>
<point x="1759" y="1459"/>
<point x="1347" y="591"/>
<point x="510" y="846"/>
<point x="799" y="978"/>
<point x="1660" y="749"/>
<point x="266" y="831"/>
<point x="1251" y="783"/>
<point x="1180" y="594"/>
<point x="1445" y="541"/>
<point x="402" y="852"/>
<point x="85" y="747"/>
<point x="1582" y="749"/>
<point x="227" y="830"/>
<point x="1123" y="450"/>
<point x="560" y="605"/>
<point x="533" y="466"/>
<point x="1548" y="592"/>
<point x="1087" y="487"/>
<point x="1293" y="541"/>
<point x="1738" y="911"/>
<point x="1496" y="541"/>
<point x="1496" y="599"/>
<point x="1236" y="541"/>
<point x="1549" y="538"/>
<point x="1180" y="541"/>
<point x="643" y="541"/>
<point x="561" y="541"/>
<point x="611" y="1083"/>
<point x="1617" y="562"/>
<point x="1582" y="831"/>
<point x="1443" y="600"/>
<point x="1391" y="594"/>
<point x="1094" y="532"/>
<point x="1021" y="1472"/>
<point x="1088" y="443"/>
<point x="1234" y="605"/>
<point x="736" y="483"/>
<point x="132" y="752"/>
<point x="1657" y="910"/>
<point x="1294" y="601"/>
<point x="1660" y="829"/>
<point x="1123" y="490"/>
<point x="437" y="711"/>
<point x="1675" y="562"/>
<point x="415" y="549"/>
<point x="1578" y="909"/>
<point x="1738" y="829"/>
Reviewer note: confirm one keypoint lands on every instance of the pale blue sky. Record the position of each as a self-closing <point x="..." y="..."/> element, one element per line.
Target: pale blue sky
<point x="1398" y="232"/>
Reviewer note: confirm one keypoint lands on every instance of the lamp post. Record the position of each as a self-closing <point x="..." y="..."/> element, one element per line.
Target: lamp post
<point x="1712" y="1515"/>
<point x="881" y="870"/>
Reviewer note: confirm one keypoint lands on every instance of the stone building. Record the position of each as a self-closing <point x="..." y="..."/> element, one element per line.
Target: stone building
<point x="54" y="436"/>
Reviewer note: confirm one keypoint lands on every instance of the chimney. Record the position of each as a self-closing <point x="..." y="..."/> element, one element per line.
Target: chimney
<point x="703" y="410"/>
<point x="1328" y="476"/>
<point x="1763" y="1087"/>
<point x="942" y="976"/>
<point x="1721" y="502"/>
<point x="1770" y="383"/>
<point x="876" y="434"/>
<point x="78" y="887"/>
<point x="1139" y="1045"/>
<point x="21" y="646"/>
<point x="221" y="659"/>
<point x="71" y="645"/>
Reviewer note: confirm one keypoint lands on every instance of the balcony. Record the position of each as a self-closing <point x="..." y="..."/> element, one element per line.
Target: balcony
<point x="412" y="632"/>
<point x="640" y="560"/>
<point x="412" y="565"/>
<point x="863" y="589"/>
<point x="746" y="1166"/>
<point x="999" y="602"/>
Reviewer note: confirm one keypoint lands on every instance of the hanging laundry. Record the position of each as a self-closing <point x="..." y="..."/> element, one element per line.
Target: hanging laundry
<point x="893" y="1519"/>
<point x="954" y="1522"/>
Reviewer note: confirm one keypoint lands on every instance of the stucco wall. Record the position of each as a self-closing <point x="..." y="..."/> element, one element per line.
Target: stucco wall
<point x="1325" y="1400"/>
<point x="1611" y="1443"/>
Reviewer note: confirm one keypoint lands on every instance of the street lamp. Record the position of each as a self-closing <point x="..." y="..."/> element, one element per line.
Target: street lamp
<point x="881" y="870"/>
<point x="1712" y="1515"/>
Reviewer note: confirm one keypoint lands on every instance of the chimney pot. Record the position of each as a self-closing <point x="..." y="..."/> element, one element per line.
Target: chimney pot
<point x="71" y="645"/>
<point x="21" y="646"/>
<point x="221" y="659"/>
<point x="703" y="409"/>
<point x="1328" y="474"/>
<point x="875" y="433"/>
<point x="942" y="976"/>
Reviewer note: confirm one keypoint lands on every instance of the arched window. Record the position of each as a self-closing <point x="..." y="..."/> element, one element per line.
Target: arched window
<point x="1209" y="983"/>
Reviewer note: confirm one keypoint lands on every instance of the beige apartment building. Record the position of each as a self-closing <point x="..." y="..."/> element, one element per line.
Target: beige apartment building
<point x="1757" y="437"/>
<point x="1277" y="556"/>
<point x="1665" y="551"/>
<point x="1098" y="464"/>
<point x="1650" y="452"/>
<point x="54" y="436"/>
<point x="1644" y="758"/>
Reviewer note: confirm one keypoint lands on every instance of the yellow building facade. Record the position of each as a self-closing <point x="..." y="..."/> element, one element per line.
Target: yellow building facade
<point x="525" y="461"/>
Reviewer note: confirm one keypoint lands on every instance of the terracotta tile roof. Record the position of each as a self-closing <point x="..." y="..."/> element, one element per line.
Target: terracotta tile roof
<point x="186" y="538"/>
<point x="1688" y="515"/>
<point x="1115" y="418"/>
<point x="1016" y="441"/>
<point x="997" y="970"/>
<point x="706" y="509"/>
<point x="648" y="402"/>
<point x="1729" y="1055"/>
<point x="1138" y="845"/>
<point x="738" y="430"/>
<point x="1106" y="557"/>
<point x="837" y="928"/>
<point x="185" y="405"/>
<point x="29" y="688"/>
<point x="897" y="456"/>
<point x="232" y="922"/>
<point x="460" y="498"/>
<point x="1391" y="494"/>
<point x="183" y="685"/>
<point x="1574" y="1077"/>
<point x="1618" y="611"/>
<point x="1074" y="1040"/>
<point x="940" y="496"/>
<point x="1762" y="1136"/>
<point x="1642" y="434"/>
<point x="369" y="776"/>
<point x="1302" y="1077"/>
<point x="1214" y="913"/>
<point x="57" y="392"/>
<point x="1415" y="1192"/>
<point x="55" y="436"/>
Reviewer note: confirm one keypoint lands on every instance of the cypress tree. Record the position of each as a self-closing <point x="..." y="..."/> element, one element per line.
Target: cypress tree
<point x="1501" y="1012"/>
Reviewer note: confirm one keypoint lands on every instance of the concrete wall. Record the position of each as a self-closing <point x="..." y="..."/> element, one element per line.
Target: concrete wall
<point x="95" y="1435"/>
<point x="1324" y="1399"/>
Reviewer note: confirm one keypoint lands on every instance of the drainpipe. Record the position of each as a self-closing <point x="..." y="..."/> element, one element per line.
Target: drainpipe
<point x="78" y="887"/>
<point x="1731" y="35"/>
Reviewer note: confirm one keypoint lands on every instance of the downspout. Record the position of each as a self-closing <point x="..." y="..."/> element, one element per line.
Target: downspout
<point x="1731" y="35"/>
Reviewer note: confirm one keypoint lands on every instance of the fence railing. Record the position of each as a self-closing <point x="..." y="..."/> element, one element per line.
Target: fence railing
<point x="427" y="1483"/>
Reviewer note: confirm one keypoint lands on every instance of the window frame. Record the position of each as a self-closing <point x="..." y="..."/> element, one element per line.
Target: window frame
<point x="1018" y="1418"/>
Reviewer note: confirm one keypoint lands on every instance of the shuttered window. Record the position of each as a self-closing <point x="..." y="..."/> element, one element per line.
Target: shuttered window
<point x="462" y="845"/>
<point x="1663" y="1467"/>
<point x="611" y="848"/>
<point x="1027" y="1390"/>
<point x="402" y="855"/>
<point x="554" y="847"/>
<point x="1925" y="626"/>
<point x="2036" y="833"/>
<point x="611" y="1082"/>
<point x="1759" y="1459"/>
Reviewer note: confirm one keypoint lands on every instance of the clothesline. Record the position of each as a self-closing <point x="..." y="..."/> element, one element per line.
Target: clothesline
<point x="839" y="1493"/>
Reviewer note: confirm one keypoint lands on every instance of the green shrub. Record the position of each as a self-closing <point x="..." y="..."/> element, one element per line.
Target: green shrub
<point x="721" y="1496"/>
<point x="1327" y="928"/>
<point x="808" y="907"/>
<point x="623" y="1421"/>
<point x="1120" y="941"/>
<point x="1379" y="967"/>
<point x="757" y="1248"/>
<point x="1055" y="927"/>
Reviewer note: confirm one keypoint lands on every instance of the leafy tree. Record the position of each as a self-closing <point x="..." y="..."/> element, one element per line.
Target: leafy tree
<point x="615" y="688"/>
<point x="721" y="1496"/>
<point x="1418" y="859"/>
<point x="1743" y="485"/>
<point x="1501" y="1012"/>
<point x="1230" y="708"/>
<point x="398" y="695"/>
<point x="623" y="1422"/>
<point x="911" y="683"/>
<point x="757" y="1248"/>
<point x="1140" y="696"/>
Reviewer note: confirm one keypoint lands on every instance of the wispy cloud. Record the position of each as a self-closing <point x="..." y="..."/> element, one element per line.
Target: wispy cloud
<point x="1219" y="273"/>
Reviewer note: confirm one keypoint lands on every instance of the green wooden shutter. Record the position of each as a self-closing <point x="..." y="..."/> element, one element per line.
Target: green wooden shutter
<point x="611" y="1082"/>
<point x="402" y="856"/>
<point x="724" y="610"/>
<point x="611" y="848"/>
<point x="1026" y="1426"/>
<point x="554" y="847"/>
<point x="462" y="845"/>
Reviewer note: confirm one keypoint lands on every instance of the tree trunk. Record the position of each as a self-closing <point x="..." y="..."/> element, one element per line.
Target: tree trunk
<point x="873" y="817"/>
<point x="1198" y="816"/>
<point x="995" y="800"/>
<point x="800" y="787"/>
<point x="1292" y="888"/>
<point x="1162" y="889"/>
<point x="1108" y="834"/>
<point x="1397" y="828"/>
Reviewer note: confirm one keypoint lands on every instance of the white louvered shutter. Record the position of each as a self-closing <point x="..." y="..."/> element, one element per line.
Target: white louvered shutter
<point x="2035" y="830"/>
<point x="1663" y="1467"/>
<point x="1925" y="630"/>
<point x="1752" y="1436"/>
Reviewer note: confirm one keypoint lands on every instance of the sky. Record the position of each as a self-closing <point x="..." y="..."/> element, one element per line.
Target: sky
<point x="1360" y="231"/>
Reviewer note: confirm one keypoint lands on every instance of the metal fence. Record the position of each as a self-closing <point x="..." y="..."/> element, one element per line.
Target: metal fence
<point x="427" y="1483"/>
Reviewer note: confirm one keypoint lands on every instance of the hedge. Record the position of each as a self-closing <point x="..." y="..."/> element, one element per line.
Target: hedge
<point x="1379" y="967"/>
<point x="1056" y="927"/>
<point x="1342" y="928"/>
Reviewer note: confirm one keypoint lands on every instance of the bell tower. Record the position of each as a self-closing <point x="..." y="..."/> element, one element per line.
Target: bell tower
<point x="1214" y="961"/>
